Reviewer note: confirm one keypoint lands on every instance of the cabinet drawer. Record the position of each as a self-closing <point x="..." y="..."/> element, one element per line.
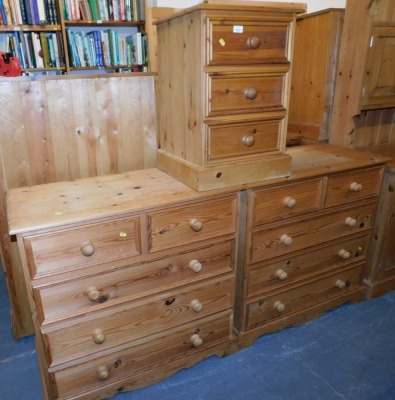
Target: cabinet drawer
<point x="301" y="297"/>
<point x="243" y="139"/>
<point x="133" y="362"/>
<point x="353" y="186"/>
<point x="243" y="41"/>
<point x="190" y="224"/>
<point x="96" y="292"/>
<point x="137" y="320"/>
<point x="285" y="271"/>
<point x="285" y="201"/>
<point x="284" y="239"/>
<point x="80" y="247"/>
<point x="239" y="94"/>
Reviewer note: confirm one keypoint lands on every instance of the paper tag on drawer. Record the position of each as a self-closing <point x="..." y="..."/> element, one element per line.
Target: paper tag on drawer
<point x="238" y="28"/>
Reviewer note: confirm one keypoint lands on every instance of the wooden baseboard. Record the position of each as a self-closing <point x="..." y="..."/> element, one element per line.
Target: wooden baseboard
<point x="378" y="288"/>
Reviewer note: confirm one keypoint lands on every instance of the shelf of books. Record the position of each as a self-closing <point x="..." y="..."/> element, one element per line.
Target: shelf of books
<point x="73" y="36"/>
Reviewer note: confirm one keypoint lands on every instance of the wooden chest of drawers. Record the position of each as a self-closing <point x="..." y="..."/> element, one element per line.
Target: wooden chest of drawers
<point x="223" y="93"/>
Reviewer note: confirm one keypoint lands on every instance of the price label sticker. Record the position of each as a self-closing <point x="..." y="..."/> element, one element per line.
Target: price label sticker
<point x="123" y="234"/>
<point x="222" y="42"/>
<point x="238" y="28"/>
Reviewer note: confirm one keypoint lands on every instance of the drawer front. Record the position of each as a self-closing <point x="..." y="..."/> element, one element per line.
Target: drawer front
<point x="133" y="362"/>
<point x="285" y="271"/>
<point x="353" y="186"/>
<point x="285" y="201"/>
<point x="100" y="291"/>
<point x="243" y="139"/>
<point x="239" y="94"/>
<point x="190" y="224"/>
<point x="301" y="297"/>
<point x="244" y="41"/>
<point x="138" y="320"/>
<point x="78" y="248"/>
<point x="285" y="239"/>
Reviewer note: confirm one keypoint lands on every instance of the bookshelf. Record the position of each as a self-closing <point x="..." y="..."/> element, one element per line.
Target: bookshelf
<point x="75" y="36"/>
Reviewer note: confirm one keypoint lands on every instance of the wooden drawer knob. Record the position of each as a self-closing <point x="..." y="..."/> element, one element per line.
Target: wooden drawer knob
<point x="102" y="373"/>
<point x="281" y="274"/>
<point x="248" y="140"/>
<point x="253" y="42"/>
<point x="195" y="266"/>
<point x="87" y="249"/>
<point x="287" y="240"/>
<point x="344" y="254"/>
<point x="196" y="305"/>
<point x="351" y="221"/>
<point x="196" y="340"/>
<point x="196" y="225"/>
<point x="340" y="284"/>
<point x="356" y="187"/>
<point x="98" y="336"/>
<point x="280" y="307"/>
<point x="251" y="93"/>
<point x="289" y="202"/>
<point x="93" y="293"/>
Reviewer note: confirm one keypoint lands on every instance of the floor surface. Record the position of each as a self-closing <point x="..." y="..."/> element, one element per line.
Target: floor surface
<point x="348" y="354"/>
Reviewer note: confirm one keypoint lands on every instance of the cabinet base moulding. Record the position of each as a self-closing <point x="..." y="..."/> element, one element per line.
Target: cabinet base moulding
<point x="378" y="288"/>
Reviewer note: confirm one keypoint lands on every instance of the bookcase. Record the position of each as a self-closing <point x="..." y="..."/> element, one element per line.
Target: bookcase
<point x="75" y="36"/>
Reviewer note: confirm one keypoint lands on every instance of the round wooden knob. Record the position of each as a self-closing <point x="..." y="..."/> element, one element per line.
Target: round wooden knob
<point x="344" y="254"/>
<point x="102" y="373"/>
<point x="281" y="274"/>
<point x="253" y="42"/>
<point x="280" y="307"/>
<point x="196" y="305"/>
<point x="356" y="187"/>
<point x="248" y="140"/>
<point x="98" y="336"/>
<point x="351" y="221"/>
<point x="251" y="93"/>
<point x="87" y="249"/>
<point x="340" y="284"/>
<point x="93" y="293"/>
<point x="289" y="202"/>
<point x="195" y="266"/>
<point x="287" y="240"/>
<point x="196" y="225"/>
<point x="196" y="340"/>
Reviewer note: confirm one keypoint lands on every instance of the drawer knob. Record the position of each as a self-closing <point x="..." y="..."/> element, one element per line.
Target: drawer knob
<point x="93" y="293"/>
<point x="196" y="225"/>
<point x="102" y="373"/>
<point x="287" y="240"/>
<point x="280" y="307"/>
<point x="98" y="336"/>
<point x="340" y="284"/>
<point x="351" y="221"/>
<point x="251" y="93"/>
<point x="344" y="254"/>
<point x="196" y="340"/>
<point x="248" y="140"/>
<point x="289" y="202"/>
<point x="196" y="305"/>
<point x="253" y="42"/>
<point x="195" y="266"/>
<point x="281" y="274"/>
<point x="88" y="249"/>
<point x="356" y="187"/>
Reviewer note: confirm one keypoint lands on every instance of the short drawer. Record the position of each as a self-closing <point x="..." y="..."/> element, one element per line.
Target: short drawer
<point x="353" y="186"/>
<point x="285" y="239"/>
<point x="189" y="224"/>
<point x="243" y="41"/>
<point x="247" y="93"/>
<point x="136" y="320"/>
<point x="71" y="249"/>
<point x="302" y="297"/>
<point x="96" y="292"/>
<point x="285" y="271"/>
<point x="243" y="139"/>
<point x="133" y="363"/>
<point x="280" y="202"/>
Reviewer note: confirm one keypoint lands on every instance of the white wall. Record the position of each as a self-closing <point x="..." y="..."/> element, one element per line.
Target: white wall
<point x="312" y="5"/>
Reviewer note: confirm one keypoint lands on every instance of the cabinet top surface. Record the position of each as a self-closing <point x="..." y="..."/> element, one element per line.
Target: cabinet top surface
<point x="72" y="202"/>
